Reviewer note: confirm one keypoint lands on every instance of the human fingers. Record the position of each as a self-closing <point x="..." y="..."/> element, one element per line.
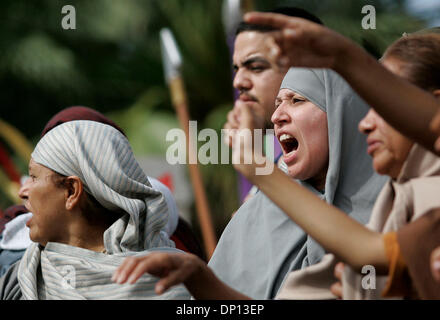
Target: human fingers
<point x="156" y="264"/>
<point x="173" y="278"/>
<point x="435" y="264"/>
<point x="275" y="20"/>
<point x="122" y="272"/>
<point x="435" y="122"/>
<point x="277" y="55"/>
<point x="231" y="125"/>
<point x="435" y="128"/>
<point x="232" y="118"/>
<point x="339" y="270"/>
<point x="247" y="117"/>
<point x="184" y="268"/>
<point x="336" y="289"/>
<point x="242" y="144"/>
<point x="247" y="151"/>
<point x="228" y="134"/>
<point x="288" y="30"/>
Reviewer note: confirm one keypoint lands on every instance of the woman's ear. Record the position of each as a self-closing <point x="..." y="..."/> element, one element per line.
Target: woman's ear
<point x="75" y="190"/>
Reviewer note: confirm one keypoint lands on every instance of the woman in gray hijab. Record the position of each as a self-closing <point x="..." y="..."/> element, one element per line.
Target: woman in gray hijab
<point x="261" y="244"/>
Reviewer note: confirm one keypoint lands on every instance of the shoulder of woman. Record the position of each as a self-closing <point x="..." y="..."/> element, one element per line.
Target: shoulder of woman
<point x="9" y="286"/>
<point x="423" y="195"/>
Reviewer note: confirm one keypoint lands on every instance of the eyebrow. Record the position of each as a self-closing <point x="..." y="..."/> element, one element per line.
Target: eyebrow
<point x="291" y="95"/>
<point x="288" y="95"/>
<point x="251" y="60"/>
<point x="30" y="167"/>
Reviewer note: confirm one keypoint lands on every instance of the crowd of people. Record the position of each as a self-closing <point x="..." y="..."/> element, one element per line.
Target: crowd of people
<point x="355" y="184"/>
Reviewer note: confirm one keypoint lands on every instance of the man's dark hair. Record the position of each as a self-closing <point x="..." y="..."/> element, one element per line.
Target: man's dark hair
<point x="288" y="11"/>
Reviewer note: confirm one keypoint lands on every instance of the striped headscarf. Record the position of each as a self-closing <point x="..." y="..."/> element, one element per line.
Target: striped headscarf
<point x="102" y="158"/>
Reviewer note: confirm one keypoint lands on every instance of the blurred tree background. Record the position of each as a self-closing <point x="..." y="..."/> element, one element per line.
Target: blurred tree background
<point x="112" y="62"/>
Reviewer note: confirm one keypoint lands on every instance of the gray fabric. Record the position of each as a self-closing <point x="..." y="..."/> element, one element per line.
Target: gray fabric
<point x="9" y="286"/>
<point x="260" y="245"/>
<point x="64" y="272"/>
<point x="8" y="258"/>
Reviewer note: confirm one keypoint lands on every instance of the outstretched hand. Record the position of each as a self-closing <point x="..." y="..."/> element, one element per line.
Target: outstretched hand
<point x="174" y="269"/>
<point x="171" y="268"/>
<point x="302" y="43"/>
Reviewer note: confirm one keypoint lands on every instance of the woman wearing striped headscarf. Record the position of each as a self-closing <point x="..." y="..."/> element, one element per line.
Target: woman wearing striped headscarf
<point x="92" y="206"/>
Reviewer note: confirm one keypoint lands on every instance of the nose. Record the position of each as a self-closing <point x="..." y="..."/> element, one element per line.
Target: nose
<point x="241" y="81"/>
<point x="23" y="192"/>
<point x="280" y="115"/>
<point x="368" y="123"/>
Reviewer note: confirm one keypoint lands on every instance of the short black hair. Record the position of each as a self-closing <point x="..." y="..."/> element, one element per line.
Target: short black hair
<point x="288" y="11"/>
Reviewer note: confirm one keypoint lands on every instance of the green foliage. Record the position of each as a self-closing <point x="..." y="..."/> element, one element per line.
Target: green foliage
<point x="112" y="62"/>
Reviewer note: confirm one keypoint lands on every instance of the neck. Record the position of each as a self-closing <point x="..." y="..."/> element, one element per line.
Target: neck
<point x="84" y="235"/>
<point x="96" y="244"/>
<point x="318" y="182"/>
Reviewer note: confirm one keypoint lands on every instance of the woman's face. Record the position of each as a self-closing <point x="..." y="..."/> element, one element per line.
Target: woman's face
<point x="301" y="129"/>
<point x="47" y="204"/>
<point x="388" y="147"/>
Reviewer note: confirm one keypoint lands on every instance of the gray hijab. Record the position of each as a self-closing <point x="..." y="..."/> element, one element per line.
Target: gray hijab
<point x="260" y="245"/>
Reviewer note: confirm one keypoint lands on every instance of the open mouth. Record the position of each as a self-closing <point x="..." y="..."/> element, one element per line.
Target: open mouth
<point x="288" y="143"/>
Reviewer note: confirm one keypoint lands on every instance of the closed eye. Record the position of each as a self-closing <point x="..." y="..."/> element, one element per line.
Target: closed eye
<point x="297" y="100"/>
<point x="257" y="68"/>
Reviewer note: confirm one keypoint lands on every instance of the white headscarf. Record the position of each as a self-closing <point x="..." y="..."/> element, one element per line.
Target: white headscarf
<point x="173" y="211"/>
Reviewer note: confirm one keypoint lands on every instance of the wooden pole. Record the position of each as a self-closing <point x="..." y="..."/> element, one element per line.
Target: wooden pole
<point x="179" y="100"/>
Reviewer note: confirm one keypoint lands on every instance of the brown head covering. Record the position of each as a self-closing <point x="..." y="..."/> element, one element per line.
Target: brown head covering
<point x="78" y="113"/>
<point x="10" y="213"/>
<point x="65" y="115"/>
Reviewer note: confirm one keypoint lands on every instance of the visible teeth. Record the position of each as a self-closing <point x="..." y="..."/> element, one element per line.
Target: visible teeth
<point x="285" y="136"/>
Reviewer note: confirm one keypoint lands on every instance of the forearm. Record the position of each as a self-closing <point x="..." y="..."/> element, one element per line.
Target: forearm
<point x="205" y="285"/>
<point x="350" y="241"/>
<point x="406" y="107"/>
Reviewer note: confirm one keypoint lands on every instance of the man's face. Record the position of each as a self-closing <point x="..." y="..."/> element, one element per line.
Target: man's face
<point x="257" y="79"/>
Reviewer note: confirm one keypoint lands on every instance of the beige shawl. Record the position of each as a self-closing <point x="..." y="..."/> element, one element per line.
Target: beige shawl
<point x="412" y="194"/>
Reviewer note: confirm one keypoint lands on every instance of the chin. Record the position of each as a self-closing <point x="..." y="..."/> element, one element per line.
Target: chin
<point x="380" y="169"/>
<point x="296" y="174"/>
<point x="34" y="238"/>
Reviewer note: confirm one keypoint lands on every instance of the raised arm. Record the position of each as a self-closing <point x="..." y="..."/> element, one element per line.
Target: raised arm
<point x="339" y="234"/>
<point x="303" y="43"/>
